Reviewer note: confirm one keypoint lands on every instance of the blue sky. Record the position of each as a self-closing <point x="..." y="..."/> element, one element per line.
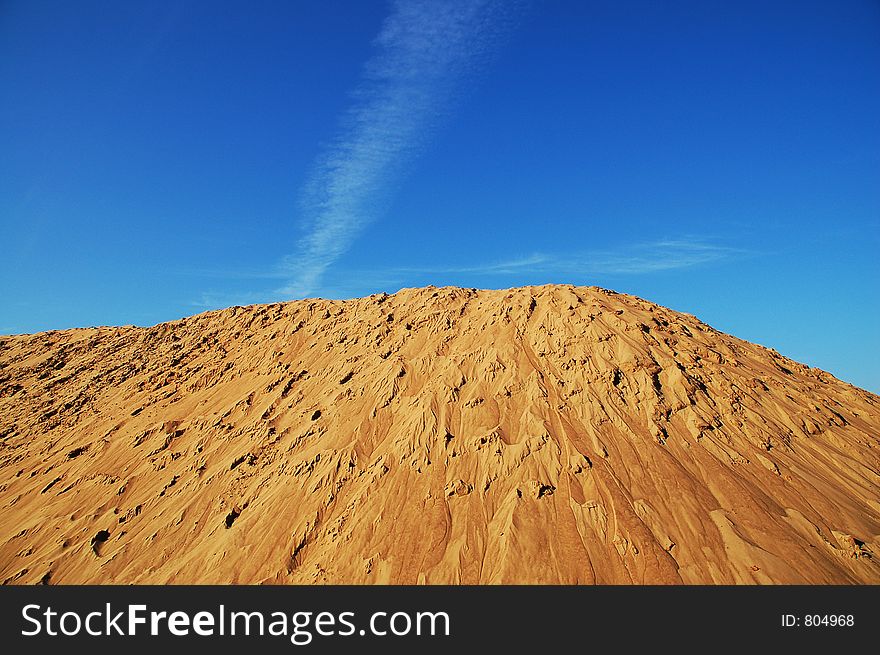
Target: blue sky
<point x="158" y="159"/>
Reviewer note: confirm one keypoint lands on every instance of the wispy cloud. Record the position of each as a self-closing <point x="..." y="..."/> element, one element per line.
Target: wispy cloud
<point x="423" y="50"/>
<point x="651" y="257"/>
<point x="636" y="259"/>
<point x="503" y="267"/>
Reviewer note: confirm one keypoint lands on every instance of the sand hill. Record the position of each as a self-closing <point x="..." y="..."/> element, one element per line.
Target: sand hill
<point x="538" y="435"/>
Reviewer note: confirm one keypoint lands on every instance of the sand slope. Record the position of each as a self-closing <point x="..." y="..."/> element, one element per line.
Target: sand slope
<point x="539" y="435"/>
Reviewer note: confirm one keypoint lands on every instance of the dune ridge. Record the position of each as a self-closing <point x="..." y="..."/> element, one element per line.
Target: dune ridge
<point x="551" y="434"/>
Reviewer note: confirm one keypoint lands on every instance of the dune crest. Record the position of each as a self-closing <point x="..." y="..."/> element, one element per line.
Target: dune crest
<point x="549" y="434"/>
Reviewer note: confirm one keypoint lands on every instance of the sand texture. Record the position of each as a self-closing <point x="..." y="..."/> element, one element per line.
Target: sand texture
<point x="549" y="434"/>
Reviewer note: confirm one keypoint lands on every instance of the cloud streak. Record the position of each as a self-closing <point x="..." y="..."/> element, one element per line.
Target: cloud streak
<point x="637" y="259"/>
<point x="423" y="51"/>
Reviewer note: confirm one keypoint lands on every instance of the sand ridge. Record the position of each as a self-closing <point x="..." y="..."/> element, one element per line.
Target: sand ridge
<point x="551" y="434"/>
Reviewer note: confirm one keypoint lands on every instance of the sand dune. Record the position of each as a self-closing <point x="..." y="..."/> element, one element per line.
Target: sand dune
<point x="549" y="434"/>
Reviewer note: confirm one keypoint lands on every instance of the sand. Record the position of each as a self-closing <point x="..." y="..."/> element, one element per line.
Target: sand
<point x="550" y="434"/>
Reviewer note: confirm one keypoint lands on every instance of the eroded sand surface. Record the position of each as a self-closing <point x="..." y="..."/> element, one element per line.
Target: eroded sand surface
<point x="538" y="435"/>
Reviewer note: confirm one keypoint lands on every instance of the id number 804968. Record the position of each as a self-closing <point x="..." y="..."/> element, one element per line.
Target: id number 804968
<point x="818" y="620"/>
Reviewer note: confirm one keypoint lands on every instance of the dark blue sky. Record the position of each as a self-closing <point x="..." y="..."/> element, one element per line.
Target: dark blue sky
<point x="720" y="158"/>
